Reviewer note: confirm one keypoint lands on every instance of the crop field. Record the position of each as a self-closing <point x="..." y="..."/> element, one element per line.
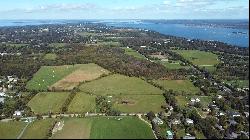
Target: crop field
<point x="74" y="128"/>
<point x="127" y="127"/>
<point x="11" y="130"/>
<point x="184" y="100"/>
<point x="50" y="56"/>
<point x="132" y="52"/>
<point x="200" y="58"/>
<point x="64" y="77"/>
<point x="138" y="103"/>
<point x="44" y="102"/>
<point x="120" y="85"/>
<point x="82" y="102"/>
<point x="178" y="86"/>
<point x="38" y="129"/>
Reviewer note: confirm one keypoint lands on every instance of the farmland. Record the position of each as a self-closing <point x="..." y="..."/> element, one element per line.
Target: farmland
<point x="178" y="86"/>
<point x="38" y="129"/>
<point x="127" y="127"/>
<point x="173" y="65"/>
<point x="50" y="56"/>
<point x="139" y="103"/>
<point x="48" y="101"/>
<point x="200" y="58"/>
<point x="74" y="128"/>
<point x="82" y="102"/>
<point x="184" y="100"/>
<point x="64" y="77"/>
<point x="119" y="85"/>
<point x="11" y="130"/>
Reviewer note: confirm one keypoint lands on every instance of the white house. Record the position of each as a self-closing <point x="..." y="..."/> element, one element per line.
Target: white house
<point x="17" y="113"/>
<point x="143" y="46"/>
<point x="157" y="120"/>
<point x="189" y="121"/>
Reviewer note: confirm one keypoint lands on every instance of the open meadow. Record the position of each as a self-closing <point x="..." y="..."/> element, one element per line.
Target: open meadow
<point x="11" y="130"/>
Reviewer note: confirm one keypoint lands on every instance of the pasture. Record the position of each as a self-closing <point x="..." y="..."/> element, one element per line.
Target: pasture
<point x="173" y="65"/>
<point x="11" y="129"/>
<point x="38" y="129"/>
<point x="120" y="85"/>
<point x="184" y="100"/>
<point x="178" y="86"/>
<point x="44" y="102"/>
<point x="64" y="77"/>
<point x="138" y="103"/>
<point x="132" y="52"/>
<point x="127" y="127"/>
<point x="238" y="83"/>
<point x="200" y="58"/>
<point x="82" y="102"/>
<point x="50" y="56"/>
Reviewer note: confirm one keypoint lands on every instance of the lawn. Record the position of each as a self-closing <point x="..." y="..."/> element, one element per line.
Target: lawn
<point x="44" y="102"/>
<point x="178" y="86"/>
<point x="38" y="129"/>
<point x="64" y="77"/>
<point x="74" y="128"/>
<point x="239" y="83"/>
<point x="132" y="52"/>
<point x="200" y="58"/>
<point x="50" y="56"/>
<point x="127" y="127"/>
<point x="11" y="129"/>
<point x="184" y="100"/>
<point x="82" y="102"/>
<point x="120" y="85"/>
<point x="139" y="103"/>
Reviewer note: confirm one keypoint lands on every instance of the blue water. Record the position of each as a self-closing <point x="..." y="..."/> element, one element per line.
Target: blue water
<point x="225" y="35"/>
<point x="221" y="34"/>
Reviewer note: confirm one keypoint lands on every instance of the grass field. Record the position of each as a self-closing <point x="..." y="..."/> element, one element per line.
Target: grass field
<point x="57" y="45"/>
<point x="82" y="102"/>
<point x="239" y="83"/>
<point x="11" y="130"/>
<point x="128" y="127"/>
<point x="174" y="65"/>
<point x="132" y="52"/>
<point x="74" y="128"/>
<point x="38" y="129"/>
<point x="139" y="103"/>
<point x="50" y="56"/>
<point x="184" y="100"/>
<point x="178" y="85"/>
<point x="200" y="58"/>
<point x="48" y="101"/>
<point x="119" y="85"/>
<point x="64" y="77"/>
<point x="15" y="44"/>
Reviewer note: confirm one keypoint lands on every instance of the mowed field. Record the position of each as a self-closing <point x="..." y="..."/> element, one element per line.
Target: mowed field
<point x="82" y="102"/>
<point x="132" y="52"/>
<point x="184" y="100"/>
<point x="178" y="86"/>
<point x="120" y="85"/>
<point x="138" y="103"/>
<point x="64" y="77"/>
<point x="104" y="128"/>
<point x="200" y="58"/>
<point x="44" y="102"/>
<point x="11" y="130"/>
<point x="38" y="129"/>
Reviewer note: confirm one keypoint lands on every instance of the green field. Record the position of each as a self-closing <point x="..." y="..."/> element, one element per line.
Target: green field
<point x="47" y="76"/>
<point x="57" y="45"/>
<point x="132" y="52"/>
<point x="44" y="102"/>
<point x="11" y="130"/>
<point x="178" y="86"/>
<point x="15" y="44"/>
<point x="200" y="58"/>
<point x="239" y="83"/>
<point x="128" y="127"/>
<point x="50" y="56"/>
<point x="82" y="102"/>
<point x="119" y="85"/>
<point x="184" y="100"/>
<point x="74" y="128"/>
<point x="174" y="65"/>
<point x="139" y="103"/>
<point x="38" y="129"/>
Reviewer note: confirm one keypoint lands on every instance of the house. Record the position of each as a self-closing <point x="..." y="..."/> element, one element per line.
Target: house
<point x="233" y="114"/>
<point x="206" y="109"/>
<point x="176" y="121"/>
<point x="246" y="114"/>
<point x="17" y="113"/>
<point x="1" y="100"/>
<point x="194" y="100"/>
<point x="219" y="127"/>
<point x="169" y="135"/>
<point x="219" y="96"/>
<point x="188" y="136"/>
<point x="157" y="121"/>
<point x="2" y="94"/>
<point x="189" y="121"/>
<point x="143" y="46"/>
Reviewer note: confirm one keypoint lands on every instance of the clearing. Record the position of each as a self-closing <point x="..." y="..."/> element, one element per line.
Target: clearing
<point x="134" y="53"/>
<point x="11" y="129"/>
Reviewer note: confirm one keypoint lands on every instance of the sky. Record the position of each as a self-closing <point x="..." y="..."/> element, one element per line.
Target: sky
<point x="124" y="9"/>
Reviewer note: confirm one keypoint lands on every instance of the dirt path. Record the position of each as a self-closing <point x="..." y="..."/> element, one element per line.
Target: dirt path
<point x="140" y="117"/>
<point x="21" y="134"/>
